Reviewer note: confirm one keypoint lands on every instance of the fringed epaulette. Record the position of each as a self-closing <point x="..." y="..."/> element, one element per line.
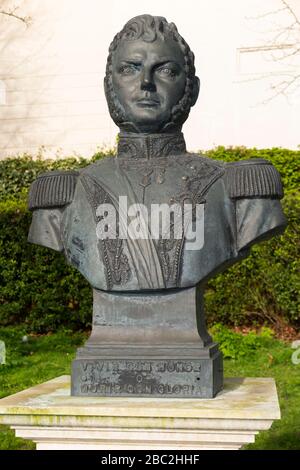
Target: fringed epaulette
<point x="253" y="178"/>
<point x="52" y="189"/>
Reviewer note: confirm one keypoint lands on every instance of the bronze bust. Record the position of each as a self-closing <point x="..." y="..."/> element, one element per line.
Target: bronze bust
<point x="149" y="336"/>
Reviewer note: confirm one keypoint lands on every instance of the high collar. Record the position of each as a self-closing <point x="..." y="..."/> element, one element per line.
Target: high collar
<point x="150" y="145"/>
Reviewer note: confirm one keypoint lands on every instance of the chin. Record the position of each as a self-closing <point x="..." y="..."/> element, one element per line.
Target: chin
<point x="149" y="128"/>
<point x="150" y="122"/>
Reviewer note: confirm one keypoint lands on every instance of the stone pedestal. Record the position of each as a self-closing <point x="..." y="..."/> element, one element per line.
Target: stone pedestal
<point x="148" y="345"/>
<point x="51" y="417"/>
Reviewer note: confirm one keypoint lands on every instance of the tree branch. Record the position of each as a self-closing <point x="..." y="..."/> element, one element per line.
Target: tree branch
<point x="284" y="45"/>
<point x="264" y="15"/>
<point x="12" y="14"/>
<point x="291" y="11"/>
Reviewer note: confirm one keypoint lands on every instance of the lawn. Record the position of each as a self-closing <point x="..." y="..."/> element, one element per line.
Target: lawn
<point x="35" y="359"/>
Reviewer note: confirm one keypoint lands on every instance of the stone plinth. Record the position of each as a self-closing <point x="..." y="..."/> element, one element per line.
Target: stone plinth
<point x="51" y="417"/>
<point x="135" y="350"/>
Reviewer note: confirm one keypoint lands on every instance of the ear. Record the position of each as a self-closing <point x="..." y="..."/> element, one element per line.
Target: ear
<point x="196" y="89"/>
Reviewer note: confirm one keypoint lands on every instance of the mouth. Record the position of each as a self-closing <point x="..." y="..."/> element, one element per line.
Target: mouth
<point x="147" y="103"/>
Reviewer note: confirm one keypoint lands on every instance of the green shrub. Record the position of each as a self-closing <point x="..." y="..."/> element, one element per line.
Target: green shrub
<point x="39" y="289"/>
<point x="286" y="161"/>
<point x="17" y="174"/>
<point x="265" y="287"/>
<point x="236" y="346"/>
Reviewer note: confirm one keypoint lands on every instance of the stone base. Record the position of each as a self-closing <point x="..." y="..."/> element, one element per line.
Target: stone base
<point x="148" y="345"/>
<point x="176" y="376"/>
<point x="49" y="416"/>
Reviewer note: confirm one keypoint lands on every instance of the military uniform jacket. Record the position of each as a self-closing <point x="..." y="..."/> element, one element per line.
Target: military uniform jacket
<point x="240" y="206"/>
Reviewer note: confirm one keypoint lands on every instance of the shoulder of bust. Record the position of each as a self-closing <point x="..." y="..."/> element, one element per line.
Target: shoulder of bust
<point x="255" y="177"/>
<point x="52" y="189"/>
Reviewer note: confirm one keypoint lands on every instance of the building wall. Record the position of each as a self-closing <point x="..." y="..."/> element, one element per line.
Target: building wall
<point x="51" y="74"/>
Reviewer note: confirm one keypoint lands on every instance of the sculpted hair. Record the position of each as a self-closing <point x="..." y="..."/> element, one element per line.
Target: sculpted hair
<point x="148" y="28"/>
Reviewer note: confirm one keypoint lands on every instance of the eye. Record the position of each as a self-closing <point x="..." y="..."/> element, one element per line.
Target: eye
<point x="167" y="71"/>
<point x="128" y="69"/>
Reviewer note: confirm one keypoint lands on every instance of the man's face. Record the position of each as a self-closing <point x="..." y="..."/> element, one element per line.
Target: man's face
<point x="148" y="79"/>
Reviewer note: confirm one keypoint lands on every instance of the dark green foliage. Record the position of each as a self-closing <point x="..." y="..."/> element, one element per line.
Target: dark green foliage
<point x="286" y="161"/>
<point x="265" y="287"/>
<point x="39" y="289"/>
<point x="17" y="174"/>
<point x="37" y="286"/>
<point x="237" y="346"/>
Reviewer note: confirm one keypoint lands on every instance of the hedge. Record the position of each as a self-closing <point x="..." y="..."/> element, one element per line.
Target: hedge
<point x="39" y="289"/>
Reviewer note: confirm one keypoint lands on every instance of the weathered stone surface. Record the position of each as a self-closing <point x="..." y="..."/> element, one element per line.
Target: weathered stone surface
<point x="148" y="344"/>
<point x="54" y="419"/>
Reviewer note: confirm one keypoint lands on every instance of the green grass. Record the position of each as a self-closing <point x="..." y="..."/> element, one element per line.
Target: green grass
<point x="39" y="359"/>
<point x="42" y="358"/>
<point x="275" y="362"/>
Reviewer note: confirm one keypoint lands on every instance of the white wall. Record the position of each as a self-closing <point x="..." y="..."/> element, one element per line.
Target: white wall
<point x="51" y="74"/>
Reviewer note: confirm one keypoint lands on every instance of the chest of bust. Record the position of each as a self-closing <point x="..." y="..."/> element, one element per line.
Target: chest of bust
<point x="135" y="264"/>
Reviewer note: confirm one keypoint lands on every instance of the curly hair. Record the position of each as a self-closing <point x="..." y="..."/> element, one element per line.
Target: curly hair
<point x="149" y="28"/>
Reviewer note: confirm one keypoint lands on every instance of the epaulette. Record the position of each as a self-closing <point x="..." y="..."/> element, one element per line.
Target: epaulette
<point x="253" y="178"/>
<point x="52" y="189"/>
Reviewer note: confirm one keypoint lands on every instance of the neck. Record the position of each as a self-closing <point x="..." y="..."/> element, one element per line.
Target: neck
<point x="131" y="145"/>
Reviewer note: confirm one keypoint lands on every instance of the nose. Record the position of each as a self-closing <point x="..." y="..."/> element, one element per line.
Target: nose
<point x="147" y="82"/>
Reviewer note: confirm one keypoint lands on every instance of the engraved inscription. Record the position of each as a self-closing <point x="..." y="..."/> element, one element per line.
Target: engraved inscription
<point x="109" y="389"/>
<point x="172" y="366"/>
<point x="152" y="377"/>
<point x="142" y="366"/>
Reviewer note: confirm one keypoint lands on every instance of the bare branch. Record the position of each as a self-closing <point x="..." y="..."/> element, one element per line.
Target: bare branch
<point x="291" y="11"/>
<point x="284" y="85"/>
<point x="287" y="55"/>
<point x="264" y="15"/>
<point x="264" y="76"/>
<point x="282" y="88"/>
<point x="284" y="45"/>
<point x="12" y="14"/>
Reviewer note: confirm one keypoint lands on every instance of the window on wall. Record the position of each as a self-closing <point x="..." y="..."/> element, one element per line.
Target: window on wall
<point x="2" y="93"/>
